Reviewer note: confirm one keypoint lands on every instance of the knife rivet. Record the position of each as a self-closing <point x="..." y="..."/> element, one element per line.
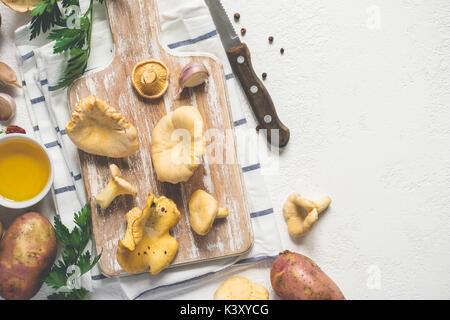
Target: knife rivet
<point x="240" y="59"/>
<point x="268" y="118"/>
<point x="254" y="89"/>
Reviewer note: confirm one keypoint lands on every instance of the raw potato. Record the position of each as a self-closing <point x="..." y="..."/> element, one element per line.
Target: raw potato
<point x="27" y="252"/>
<point x="297" y="277"/>
<point x="240" y="288"/>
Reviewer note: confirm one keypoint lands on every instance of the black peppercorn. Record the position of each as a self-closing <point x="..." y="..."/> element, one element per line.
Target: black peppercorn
<point x="264" y="76"/>
<point x="237" y="16"/>
<point x="270" y="39"/>
<point x="282" y="50"/>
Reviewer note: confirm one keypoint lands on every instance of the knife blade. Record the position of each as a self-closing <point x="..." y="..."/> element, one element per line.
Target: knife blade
<point x="239" y="56"/>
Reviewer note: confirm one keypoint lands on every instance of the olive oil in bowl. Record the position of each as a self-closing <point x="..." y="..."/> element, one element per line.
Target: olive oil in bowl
<point x="24" y="169"/>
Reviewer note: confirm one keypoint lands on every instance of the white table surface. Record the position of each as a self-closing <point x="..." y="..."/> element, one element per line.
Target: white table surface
<point x="367" y="102"/>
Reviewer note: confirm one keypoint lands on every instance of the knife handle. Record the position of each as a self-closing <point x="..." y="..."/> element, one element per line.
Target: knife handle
<point x="257" y="95"/>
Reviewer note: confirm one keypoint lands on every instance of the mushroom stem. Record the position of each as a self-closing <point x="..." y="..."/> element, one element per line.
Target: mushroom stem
<point x="222" y="213"/>
<point x="323" y="204"/>
<point x="148" y="77"/>
<point x="116" y="186"/>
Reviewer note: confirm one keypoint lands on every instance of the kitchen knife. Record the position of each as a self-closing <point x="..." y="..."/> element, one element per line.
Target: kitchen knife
<point x="257" y="94"/>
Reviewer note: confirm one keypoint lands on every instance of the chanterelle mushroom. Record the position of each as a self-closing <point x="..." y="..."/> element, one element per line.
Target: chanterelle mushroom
<point x="99" y="129"/>
<point x="301" y="214"/>
<point x="203" y="210"/>
<point x="116" y="187"/>
<point x="178" y="145"/>
<point x="148" y="244"/>
<point x="150" y="78"/>
<point x="21" y="5"/>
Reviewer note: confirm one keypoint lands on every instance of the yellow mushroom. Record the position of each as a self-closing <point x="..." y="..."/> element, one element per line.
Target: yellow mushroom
<point x="150" y="78"/>
<point x="147" y="243"/>
<point x="203" y="210"/>
<point x="301" y="214"/>
<point x="21" y="5"/>
<point x="135" y="231"/>
<point x="240" y="288"/>
<point x="97" y="128"/>
<point x="117" y="186"/>
<point x="178" y="145"/>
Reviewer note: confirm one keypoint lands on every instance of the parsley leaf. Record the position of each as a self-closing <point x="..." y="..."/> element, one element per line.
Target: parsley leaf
<point x="76" y="41"/>
<point x="73" y="254"/>
<point x="76" y="294"/>
<point x="44" y="16"/>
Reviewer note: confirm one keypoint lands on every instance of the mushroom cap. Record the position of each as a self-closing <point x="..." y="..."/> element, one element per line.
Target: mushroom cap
<point x="178" y="145"/>
<point x="99" y="129"/>
<point x="134" y="232"/>
<point x="203" y="209"/>
<point x="154" y="248"/>
<point x="150" y="78"/>
<point x="240" y="288"/>
<point x="21" y="5"/>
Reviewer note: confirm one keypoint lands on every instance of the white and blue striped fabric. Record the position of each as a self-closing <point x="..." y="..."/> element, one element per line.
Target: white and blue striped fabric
<point x="186" y="27"/>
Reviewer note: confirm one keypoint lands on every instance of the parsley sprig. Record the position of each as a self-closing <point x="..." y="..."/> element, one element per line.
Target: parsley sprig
<point x="73" y="254"/>
<point x="46" y="16"/>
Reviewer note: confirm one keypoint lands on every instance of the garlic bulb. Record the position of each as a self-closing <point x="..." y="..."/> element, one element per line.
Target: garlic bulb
<point x="8" y="77"/>
<point x="7" y="107"/>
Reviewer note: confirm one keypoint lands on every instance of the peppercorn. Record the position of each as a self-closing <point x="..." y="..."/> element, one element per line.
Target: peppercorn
<point x="237" y="16"/>
<point x="243" y="31"/>
<point x="282" y="50"/>
<point x="270" y="39"/>
<point x="264" y="76"/>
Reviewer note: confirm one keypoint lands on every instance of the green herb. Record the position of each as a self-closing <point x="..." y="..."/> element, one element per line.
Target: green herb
<point x="76" y="41"/>
<point x="73" y="254"/>
<point x="45" y="15"/>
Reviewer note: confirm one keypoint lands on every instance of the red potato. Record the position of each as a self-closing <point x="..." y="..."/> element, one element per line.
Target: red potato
<point x="297" y="277"/>
<point x="27" y="252"/>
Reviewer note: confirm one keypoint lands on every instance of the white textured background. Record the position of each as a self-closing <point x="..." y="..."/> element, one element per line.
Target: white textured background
<point x="368" y="109"/>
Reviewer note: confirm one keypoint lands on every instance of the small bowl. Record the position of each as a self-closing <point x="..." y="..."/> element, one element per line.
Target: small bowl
<point x="27" y="203"/>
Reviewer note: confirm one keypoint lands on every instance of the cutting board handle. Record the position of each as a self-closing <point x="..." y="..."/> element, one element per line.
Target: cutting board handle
<point x="145" y="29"/>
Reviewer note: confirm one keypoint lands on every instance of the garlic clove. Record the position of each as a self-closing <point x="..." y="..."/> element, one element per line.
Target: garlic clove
<point x="7" y="107"/>
<point x="193" y="75"/>
<point x="8" y="76"/>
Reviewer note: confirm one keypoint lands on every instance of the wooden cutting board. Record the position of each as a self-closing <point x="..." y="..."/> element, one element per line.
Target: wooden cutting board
<point x="135" y="28"/>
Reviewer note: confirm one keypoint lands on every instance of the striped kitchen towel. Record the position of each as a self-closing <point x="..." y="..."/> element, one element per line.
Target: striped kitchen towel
<point x="186" y="27"/>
